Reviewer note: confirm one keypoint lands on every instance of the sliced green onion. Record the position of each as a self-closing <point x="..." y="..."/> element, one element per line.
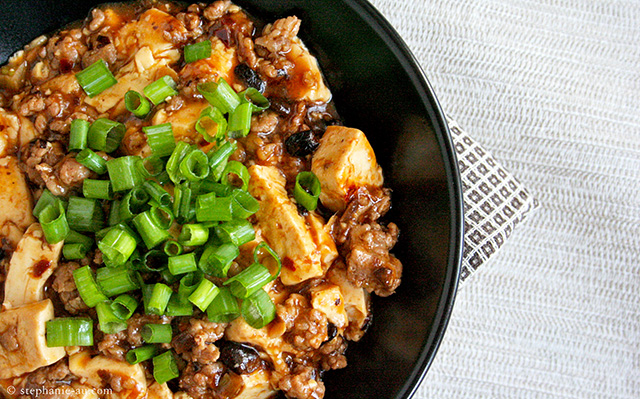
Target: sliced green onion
<point x="108" y="322"/>
<point x="243" y="204"/>
<point x="238" y="169"/>
<point x="193" y="235"/>
<point x="157" y="193"/>
<point x="151" y="233"/>
<point x="98" y="189"/>
<point x="216" y="260"/>
<point x="156" y="333"/>
<point x="210" y="208"/>
<point x="218" y="159"/>
<point x="160" y="139"/>
<point x="237" y="232"/>
<point x="195" y="166"/>
<point x="154" y="261"/>
<point x="188" y="284"/>
<point x="221" y="190"/>
<point x="46" y="198"/>
<point x="204" y="294"/>
<point x="122" y="226"/>
<point x="54" y="222"/>
<point x="165" y="368"/>
<point x="123" y="173"/>
<point x="105" y="135"/>
<point x="116" y="280"/>
<point x="134" y="202"/>
<point x="307" y="190"/>
<point x="74" y="251"/>
<point x="163" y="178"/>
<point x="178" y="307"/>
<point x="159" y="90"/>
<point x="258" y="101"/>
<point x="96" y="78"/>
<point x="172" y="248"/>
<point x="150" y="166"/>
<point x="87" y="287"/>
<point x="85" y="214"/>
<point x="162" y="216"/>
<point x="240" y="121"/>
<point x="258" y="310"/>
<point x="69" y="331"/>
<point x="268" y="258"/>
<point x="197" y="51"/>
<point x="76" y="238"/>
<point x="137" y="355"/>
<point x="124" y="306"/>
<point x="224" y="307"/>
<point x="220" y="95"/>
<point x="248" y="281"/>
<point x="182" y="205"/>
<point x="117" y="246"/>
<point x="173" y="164"/>
<point x="183" y="264"/>
<point x="159" y="299"/>
<point x="78" y="134"/>
<point x="137" y="104"/>
<point x="92" y="161"/>
<point x="114" y="213"/>
<point x="211" y="124"/>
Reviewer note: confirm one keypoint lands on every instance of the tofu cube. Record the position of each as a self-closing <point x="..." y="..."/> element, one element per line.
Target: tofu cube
<point x="344" y="162"/>
<point x="288" y="233"/>
<point x="15" y="201"/>
<point x="23" y="345"/>
<point x="33" y="261"/>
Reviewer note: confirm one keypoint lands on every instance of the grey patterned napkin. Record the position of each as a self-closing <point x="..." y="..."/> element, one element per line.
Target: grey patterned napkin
<point x="494" y="201"/>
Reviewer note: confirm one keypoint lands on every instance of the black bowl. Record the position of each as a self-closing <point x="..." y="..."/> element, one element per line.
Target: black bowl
<point x="379" y="88"/>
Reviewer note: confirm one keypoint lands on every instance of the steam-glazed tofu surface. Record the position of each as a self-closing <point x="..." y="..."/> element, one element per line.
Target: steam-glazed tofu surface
<point x="184" y="215"/>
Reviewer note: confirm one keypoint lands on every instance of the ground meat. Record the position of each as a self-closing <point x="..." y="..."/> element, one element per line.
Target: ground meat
<point x="107" y="52"/>
<point x="117" y="345"/>
<point x="366" y="205"/>
<point x="302" y="383"/>
<point x="331" y="356"/>
<point x="196" y="339"/>
<point x="97" y="19"/>
<point x="66" y="50"/>
<point x="46" y="379"/>
<point x="306" y="327"/>
<point x="264" y="123"/>
<point x="369" y="263"/>
<point x="31" y="105"/>
<point x="277" y="37"/>
<point x="216" y="10"/>
<point x="9" y="339"/>
<point x="117" y="382"/>
<point x="114" y="346"/>
<point x="65" y="286"/>
<point x="71" y="172"/>
<point x="210" y="381"/>
<point x="40" y="152"/>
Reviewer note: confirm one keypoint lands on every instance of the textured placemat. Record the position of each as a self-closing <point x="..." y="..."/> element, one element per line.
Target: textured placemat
<point x="550" y="87"/>
<point x="494" y="201"/>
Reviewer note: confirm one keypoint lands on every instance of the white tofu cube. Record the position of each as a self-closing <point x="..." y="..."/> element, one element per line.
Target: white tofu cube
<point x="304" y="246"/>
<point x="29" y="350"/>
<point x="344" y="162"/>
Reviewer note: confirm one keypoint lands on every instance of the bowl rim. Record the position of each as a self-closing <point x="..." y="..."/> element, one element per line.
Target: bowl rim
<point x="410" y="64"/>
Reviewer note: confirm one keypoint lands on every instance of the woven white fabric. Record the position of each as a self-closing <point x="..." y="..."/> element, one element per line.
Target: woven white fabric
<point x="551" y="88"/>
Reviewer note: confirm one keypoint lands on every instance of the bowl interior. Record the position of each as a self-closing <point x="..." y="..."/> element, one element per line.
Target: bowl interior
<point x="379" y="89"/>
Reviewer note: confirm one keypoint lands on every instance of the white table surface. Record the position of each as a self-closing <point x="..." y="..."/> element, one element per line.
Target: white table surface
<point x="552" y="88"/>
